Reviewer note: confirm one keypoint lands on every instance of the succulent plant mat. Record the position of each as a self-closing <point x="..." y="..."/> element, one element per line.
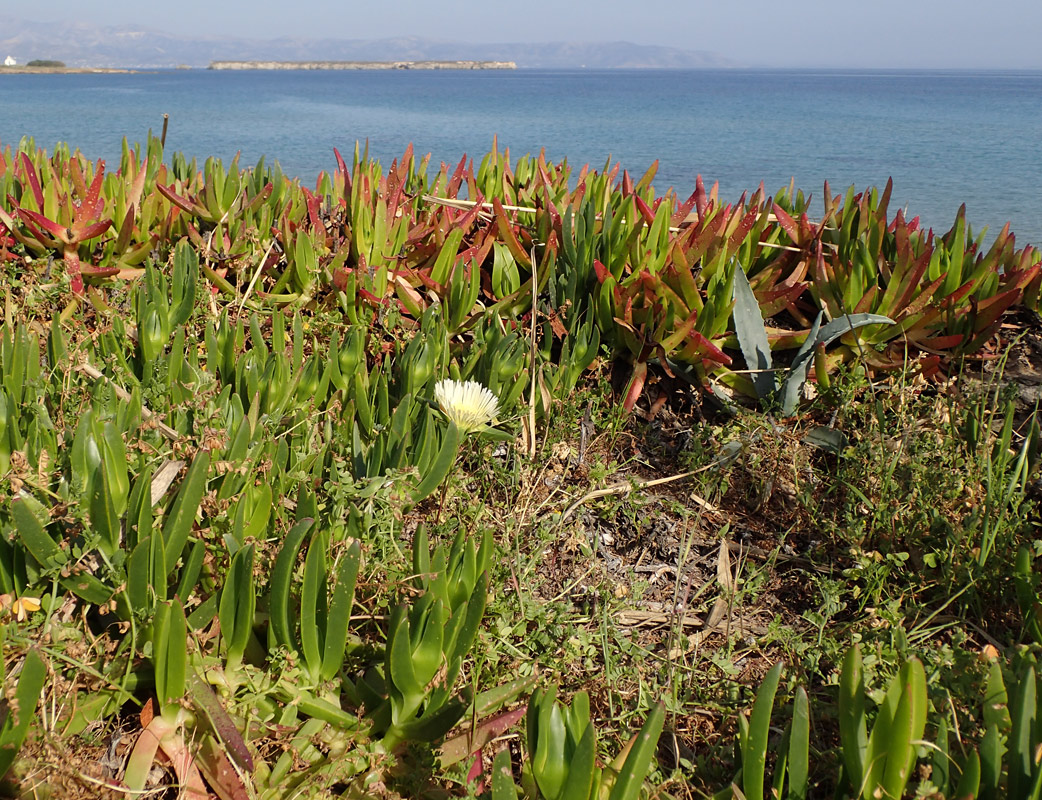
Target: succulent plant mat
<point x="514" y="481"/>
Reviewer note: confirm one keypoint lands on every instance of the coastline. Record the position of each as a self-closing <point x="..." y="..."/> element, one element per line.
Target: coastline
<point x="354" y="65"/>
<point x="65" y="71"/>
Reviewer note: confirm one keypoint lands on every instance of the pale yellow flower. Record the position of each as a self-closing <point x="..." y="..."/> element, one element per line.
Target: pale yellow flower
<point x="467" y="404"/>
<point x="21" y="608"/>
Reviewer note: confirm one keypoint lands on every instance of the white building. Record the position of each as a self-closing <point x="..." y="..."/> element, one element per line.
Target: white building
<point x="10" y="62"/>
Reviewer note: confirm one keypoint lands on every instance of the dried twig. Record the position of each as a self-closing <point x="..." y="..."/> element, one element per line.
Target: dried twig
<point x="256" y="275"/>
<point x="626" y="488"/>
<point x="465" y="205"/>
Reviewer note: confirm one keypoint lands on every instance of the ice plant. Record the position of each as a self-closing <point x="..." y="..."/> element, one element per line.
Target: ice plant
<point x="467" y="404"/>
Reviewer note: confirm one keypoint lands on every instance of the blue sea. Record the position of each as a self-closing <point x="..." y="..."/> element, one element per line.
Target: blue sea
<point x="946" y="138"/>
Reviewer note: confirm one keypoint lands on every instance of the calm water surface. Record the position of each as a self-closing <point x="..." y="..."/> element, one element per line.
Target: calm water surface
<point x="945" y="138"/>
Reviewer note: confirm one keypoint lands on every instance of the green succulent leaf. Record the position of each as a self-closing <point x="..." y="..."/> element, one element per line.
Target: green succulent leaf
<point x="280" y="632"/>
<point x="754" y="751"/>
<point x="15" y="724"/>
<point x="339" y="617"/>
<point x="179" y="523"/>
<point x="635" y="768"/>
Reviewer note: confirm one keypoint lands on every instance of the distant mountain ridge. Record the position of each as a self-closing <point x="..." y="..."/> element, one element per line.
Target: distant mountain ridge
<point x="81" y="44"/>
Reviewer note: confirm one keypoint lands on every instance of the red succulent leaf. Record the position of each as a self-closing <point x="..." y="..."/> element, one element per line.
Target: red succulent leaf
<point x="470" y="742"/>
<point x="759" y="195"/>
<point x="181" y="202"/>
<point x="223" y="725"/>
<point x="867" y="301"/>
<point x="72" y="266"/>
<point x="627" y="307"/>
<point x="700" y="197"/>
<point x="430" y="283"/>
<point x="340" y="279"/>
<point x="635" y="386"/>
<point x="787" y="223"/>
<point x="698" y="347"/>
<point x="340" y="162"/>
<point x="259" y="198"/>
<point x="90" y="231"/>
<point x="314" y="204"/>
<point x="702" y="236"/>
<point x="921" y="300"/>
<point x="681" y="213"/>
<point x="137" y="185"/>
<point x="369" y="296"/>
<point x="649" y="282"/>
<point x="884" y="200"/>
<point x="645" y="212"/>
<point x="394" y="201"/>
<point x="196" y="239"/>
<point x="34" y="182"/>
<point x="408" y="158"/>
<point x="555" y="216"/>
<point x="941" y="342"/>
<point x="742" y="231"/>
<point x="958" y="295"/>
<point x="477" y="769"/>
<point x="75" y="171"/>
<point x="578" y="195"/>
<point x="930" y="365"/>
<point x="32" y="218"/>
<point x="991" y="308"/>
<point x="913" y="280"/>
<point x="774" y="300"/>
<point x="92" y="204"/>
<point x="469" y="177"/>
<point x="452" y="190"/>
<point x="544" y="172"/>
<point x="126" y="230"/>
<point x="1019" y="278"/>
<point x="98" y="272"/>
<point x="710" y="352"/>
<point x="464" y="220"/>
<point x="627" y="184"/>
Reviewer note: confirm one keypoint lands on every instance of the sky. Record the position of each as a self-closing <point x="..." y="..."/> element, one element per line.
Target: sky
<point x="782" y="33"/>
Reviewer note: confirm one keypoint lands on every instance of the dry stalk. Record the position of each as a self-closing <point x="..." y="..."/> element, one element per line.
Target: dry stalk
<point x="256" y="275"/>
<point x="626" y="488"/>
